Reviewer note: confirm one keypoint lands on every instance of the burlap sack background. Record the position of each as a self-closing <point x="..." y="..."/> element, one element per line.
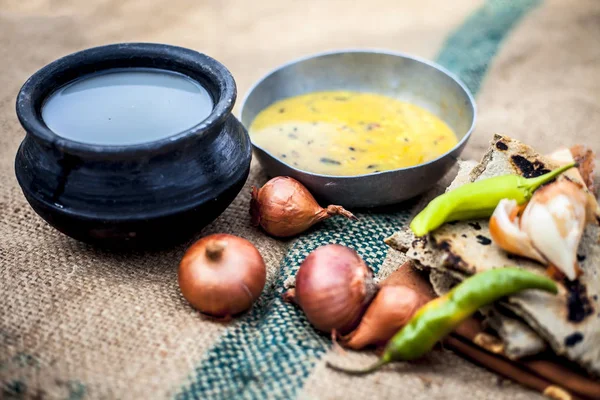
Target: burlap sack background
<point x="77" y="323"/>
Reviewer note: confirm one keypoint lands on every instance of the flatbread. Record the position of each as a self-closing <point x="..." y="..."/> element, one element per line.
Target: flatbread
<point x="518" y="338"/>
<point x="570" y="321"/>
<point x="442" y="282"/>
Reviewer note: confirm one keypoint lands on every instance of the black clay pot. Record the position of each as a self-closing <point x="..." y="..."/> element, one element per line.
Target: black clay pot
<point x="145" y="194"/>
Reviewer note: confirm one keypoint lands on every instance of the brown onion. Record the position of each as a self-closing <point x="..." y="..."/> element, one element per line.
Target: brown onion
<point x="333" y="288"/>
<point x="222" y="275"/>
<point x="283" y="208"/>
<point x="391" y="309"/>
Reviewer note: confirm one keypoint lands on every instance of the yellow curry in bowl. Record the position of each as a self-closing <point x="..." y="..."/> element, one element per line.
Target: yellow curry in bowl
<point x="344" y="133"/>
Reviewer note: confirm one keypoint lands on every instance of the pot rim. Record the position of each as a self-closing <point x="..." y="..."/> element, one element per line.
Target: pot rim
<point x="216" y="78"/>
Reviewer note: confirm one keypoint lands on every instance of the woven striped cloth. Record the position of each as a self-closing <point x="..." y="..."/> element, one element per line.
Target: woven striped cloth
<point x="77" y="322"/>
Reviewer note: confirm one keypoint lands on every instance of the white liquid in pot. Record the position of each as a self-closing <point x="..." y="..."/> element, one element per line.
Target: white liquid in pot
<point x="126" y="107"/>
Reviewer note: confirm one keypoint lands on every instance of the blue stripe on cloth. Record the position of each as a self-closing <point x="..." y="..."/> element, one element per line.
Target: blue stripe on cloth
<point x="468" y="51"/>
<point x="271" y="352"/>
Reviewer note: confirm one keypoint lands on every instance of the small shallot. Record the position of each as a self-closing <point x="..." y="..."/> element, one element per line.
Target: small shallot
<point x="283" y="207"/>
<point x="222" y="275"/>
<point x="554" y="220"/>
<point x="391" y="309"/>
<point x="333" y="287"/>
<point x="549" y="229"/>
<point x="505" y="229"/>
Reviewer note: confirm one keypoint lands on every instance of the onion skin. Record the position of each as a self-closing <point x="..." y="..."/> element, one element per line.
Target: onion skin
<point x="283" y="207"/>
<point x="333" y="287"/>
<point x="506" y="232"/>
<point x="391" y="309"/>
<point x="222" y="275"/>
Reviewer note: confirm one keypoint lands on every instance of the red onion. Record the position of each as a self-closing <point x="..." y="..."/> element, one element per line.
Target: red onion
<point x="333" y="287"/>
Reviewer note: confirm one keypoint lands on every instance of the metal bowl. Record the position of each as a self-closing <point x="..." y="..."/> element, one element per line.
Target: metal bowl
<point x="397" y="75"/>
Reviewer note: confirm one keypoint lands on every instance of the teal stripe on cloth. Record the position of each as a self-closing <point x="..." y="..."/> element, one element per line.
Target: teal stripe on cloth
<point x="469" y="50"/>
<point x="273" y="350"/>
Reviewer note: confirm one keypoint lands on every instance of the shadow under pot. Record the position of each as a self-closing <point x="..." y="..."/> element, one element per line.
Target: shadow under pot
<point x="131" y="144"/>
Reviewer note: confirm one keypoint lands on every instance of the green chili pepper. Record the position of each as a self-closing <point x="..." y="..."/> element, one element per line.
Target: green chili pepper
<point x="478" y="199"/>
<point x="441" y="316"/>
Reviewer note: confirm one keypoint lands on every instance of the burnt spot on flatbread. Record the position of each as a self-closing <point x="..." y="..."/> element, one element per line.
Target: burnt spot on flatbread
<point x="484" y="240"/>
<point x="528" y="168"/>
<point x="573" y="339"/>
<point x="419" y="242"/>
<point x="422" y="239"/>
<point x="500" y="145"/>
<point x="475" y="225"/>
<point x="453" y="260"/>
<point x="464" y="235"/>
<point x="444" y="245"/>
<point x="579" y="306"/>
<point x="580" y="257"/>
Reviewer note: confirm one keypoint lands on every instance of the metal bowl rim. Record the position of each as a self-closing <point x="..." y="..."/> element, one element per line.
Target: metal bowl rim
<point x="421" y="60"/>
